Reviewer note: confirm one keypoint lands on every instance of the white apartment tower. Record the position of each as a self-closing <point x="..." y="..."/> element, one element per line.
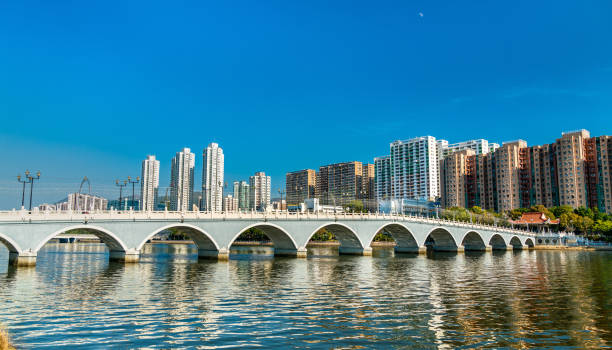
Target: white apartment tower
<point x="181" y="180"/>
<point x="414" y="169"/>
<point x="149" y="184"/>
<point x="260" y="191"/>
<point x="212" y="178"/>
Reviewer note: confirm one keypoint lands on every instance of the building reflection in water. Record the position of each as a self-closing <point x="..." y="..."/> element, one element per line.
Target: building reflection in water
<point x="170" y="299"/>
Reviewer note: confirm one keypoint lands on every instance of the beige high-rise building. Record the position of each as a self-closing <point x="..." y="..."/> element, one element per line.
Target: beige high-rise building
<point x="230" y="204"/>
<point x="454" y="175"/>
<point x="300" y="185"/>
<point x="575" y="170"/>
<point x="507" y="164"/>
<point x="571" y="159"/>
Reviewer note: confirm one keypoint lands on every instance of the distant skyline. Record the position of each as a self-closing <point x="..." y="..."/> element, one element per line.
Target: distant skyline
<point x="90" y="89"/>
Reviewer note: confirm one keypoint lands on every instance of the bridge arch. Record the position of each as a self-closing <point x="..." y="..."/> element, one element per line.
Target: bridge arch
<point x="110" y="239"/>
<point x="404" y="238"/>
<point x="201" y="238"/>
<point x="11" y="245"/>
<point x="440" y="239"/>
<point x="280" y="237"/>
<point x="497" y="242"/>
<point x="347" y="237"/>
<point x="472" y="240"/>
<point x="529" y="243"/>
<point x="515" y="242"/>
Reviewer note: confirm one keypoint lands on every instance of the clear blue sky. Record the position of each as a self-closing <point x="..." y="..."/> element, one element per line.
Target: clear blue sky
<point x="92" y="87"/>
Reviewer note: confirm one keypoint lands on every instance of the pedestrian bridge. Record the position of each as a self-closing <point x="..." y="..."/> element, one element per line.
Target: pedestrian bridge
<point x="125" y="233"/>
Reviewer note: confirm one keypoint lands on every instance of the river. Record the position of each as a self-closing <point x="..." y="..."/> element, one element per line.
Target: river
<point x="75" y="298"/>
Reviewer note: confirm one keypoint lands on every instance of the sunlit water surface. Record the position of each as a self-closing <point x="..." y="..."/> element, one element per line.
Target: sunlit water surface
<point x="75" y="298"/>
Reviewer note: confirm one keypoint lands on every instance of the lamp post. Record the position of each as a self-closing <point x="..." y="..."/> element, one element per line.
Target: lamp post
<point x="24" y="182"/>
<point x="280" y="205"/>
<point x="133" y="183"/>
<point x="121" y="185"/>
<point x="32" y="178"/>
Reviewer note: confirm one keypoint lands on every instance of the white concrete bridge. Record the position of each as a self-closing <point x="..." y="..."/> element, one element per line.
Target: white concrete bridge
<point x="125" y="233"/>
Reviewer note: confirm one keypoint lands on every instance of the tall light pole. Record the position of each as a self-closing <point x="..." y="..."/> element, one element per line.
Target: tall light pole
<point x="32" y="178"/>
<point x="133" y="183"/>
<point x="121" y="185"/>
<point x="281" y="192"/>
<point x="24" y="182"/>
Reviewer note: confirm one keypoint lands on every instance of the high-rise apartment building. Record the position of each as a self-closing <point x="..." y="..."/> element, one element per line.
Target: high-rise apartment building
<point x="382" y="178"/>
<point x="300" y="185"/>
<point x="149" y="184"/>
<point x="242" y="195"/>
<point x="571" y="157"/>
<point x="415" y="168"/>
<point x="479" y="146"/>
<point x="341" y="183"/>
<point x="260" y="187"/>
<point x="599" y="172"/>
<point x="230" y="204"/>
<point x="367" y="192"/>
<point x="212" y="178"/>
<point x="181" y="180"/>
<point x="454" y="174"/>
<point x="574" y="171"/>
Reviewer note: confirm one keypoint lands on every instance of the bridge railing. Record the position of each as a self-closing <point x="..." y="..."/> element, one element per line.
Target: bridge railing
<point x="25" y="216"/>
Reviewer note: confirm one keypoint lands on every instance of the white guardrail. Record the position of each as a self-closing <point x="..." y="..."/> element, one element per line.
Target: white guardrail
<point x="26" y="216"/>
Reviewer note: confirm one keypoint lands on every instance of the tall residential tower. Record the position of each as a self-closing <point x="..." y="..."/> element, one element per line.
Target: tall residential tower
<point x="212" y="178"/>
<point x="149" y="184"/>
<point x="181" y="180"/>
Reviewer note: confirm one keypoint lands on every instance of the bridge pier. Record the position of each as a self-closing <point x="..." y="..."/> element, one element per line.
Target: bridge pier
<point x="488" y="248"/>
<point x="355" y="251"/>
<point x="22" y="259"/>
<point x="509" y="247"/>
<point x="130" y="256"/>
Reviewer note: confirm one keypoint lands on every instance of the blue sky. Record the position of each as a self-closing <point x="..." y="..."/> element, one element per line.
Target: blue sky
<point x="90" y="88"/>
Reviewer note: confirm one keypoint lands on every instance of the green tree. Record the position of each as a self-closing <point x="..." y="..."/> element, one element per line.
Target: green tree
<point x="355" y="206"/>
<point x="476" y="210"/>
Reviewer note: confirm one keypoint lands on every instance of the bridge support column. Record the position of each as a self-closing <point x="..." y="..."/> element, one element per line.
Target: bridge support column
<point x="223" y="254"/>
<point x="22" y="259"/>
<point x="355" y="251"/>
<point x="510" y="247"/>
<point x="295" y="253"/>
<point x="130" y="256"/>
<point x="460" y="249"/>
<point x="489" y="248"/>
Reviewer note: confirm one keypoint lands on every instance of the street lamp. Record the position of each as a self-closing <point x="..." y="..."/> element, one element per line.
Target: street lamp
<point x="32" y="178"/>
<point x="24" y="182"/>
<point x="281" y="192"/>
<point x="133" y="183"/>
<point x="121" y="185"/>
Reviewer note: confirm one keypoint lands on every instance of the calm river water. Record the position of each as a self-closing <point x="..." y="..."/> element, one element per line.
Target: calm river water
<point x="76" y="298"/>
